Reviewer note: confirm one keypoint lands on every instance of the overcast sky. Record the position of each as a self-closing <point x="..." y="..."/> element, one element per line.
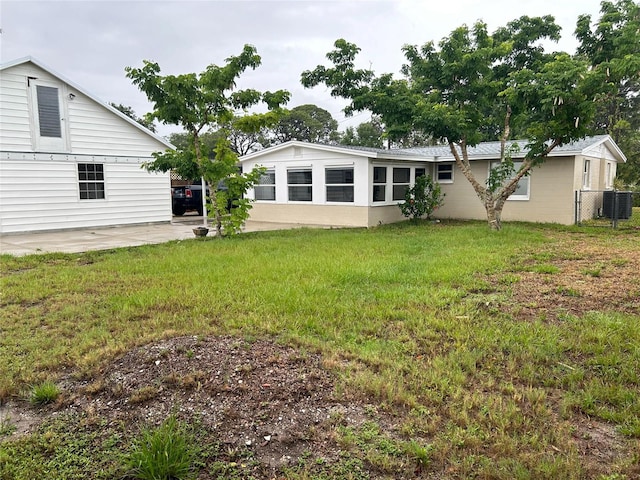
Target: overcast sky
<point x="90" y="42"/>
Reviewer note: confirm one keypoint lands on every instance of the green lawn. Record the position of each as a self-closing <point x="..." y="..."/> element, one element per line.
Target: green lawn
<point x="426" y="335"/>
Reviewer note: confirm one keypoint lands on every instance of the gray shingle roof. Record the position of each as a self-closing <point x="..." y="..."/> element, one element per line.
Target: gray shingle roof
<point x="492" y="149"/>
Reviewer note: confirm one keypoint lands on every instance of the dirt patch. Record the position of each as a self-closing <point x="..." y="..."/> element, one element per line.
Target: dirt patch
<point x="275" y="401"/>
<point x="574" y="276"/>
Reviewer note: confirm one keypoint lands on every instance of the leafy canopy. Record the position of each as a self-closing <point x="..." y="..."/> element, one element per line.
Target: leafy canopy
<point x="475" y="86"/>
<point x="206" y="102"/>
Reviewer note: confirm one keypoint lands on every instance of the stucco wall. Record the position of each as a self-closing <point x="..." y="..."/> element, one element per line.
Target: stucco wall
<point x="331" y="215"/>
<point x="551" y="195"/>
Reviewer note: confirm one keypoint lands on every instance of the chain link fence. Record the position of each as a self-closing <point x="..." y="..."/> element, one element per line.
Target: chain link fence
<point x="607" y="208"/>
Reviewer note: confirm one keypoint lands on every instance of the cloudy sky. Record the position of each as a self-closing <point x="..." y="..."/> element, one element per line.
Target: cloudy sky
<point x="90" y="42"/>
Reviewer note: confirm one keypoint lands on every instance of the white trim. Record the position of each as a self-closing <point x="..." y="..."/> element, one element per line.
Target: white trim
<point x="515" y="197"/>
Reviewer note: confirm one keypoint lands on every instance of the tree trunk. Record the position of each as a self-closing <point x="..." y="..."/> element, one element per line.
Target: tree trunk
<point x="217" y="217"/>
<point x="494" y="214"/>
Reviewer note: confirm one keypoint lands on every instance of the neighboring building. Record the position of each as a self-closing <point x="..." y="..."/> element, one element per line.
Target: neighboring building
<point x="352" y="186"/>
<point x="68" y="160"/>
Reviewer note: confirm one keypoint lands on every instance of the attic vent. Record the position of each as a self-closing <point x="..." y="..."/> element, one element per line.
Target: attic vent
<point x="297" y="151"/>
<point x="49" y="112"/>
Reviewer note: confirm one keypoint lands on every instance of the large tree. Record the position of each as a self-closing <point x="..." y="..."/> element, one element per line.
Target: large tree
<point x="206" y="102"/>
<point x="307" y="123"/>
<point x="476" y="86"/>
<point x="366" y="134"/>
<point x="612" y="47"/>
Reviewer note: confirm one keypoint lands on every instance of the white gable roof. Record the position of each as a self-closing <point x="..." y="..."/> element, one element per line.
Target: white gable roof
<point x="75" y="86"/>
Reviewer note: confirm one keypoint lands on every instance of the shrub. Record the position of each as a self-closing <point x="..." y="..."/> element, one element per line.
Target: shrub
<point x="422" y="199"/>
<point x="167" y="452"/>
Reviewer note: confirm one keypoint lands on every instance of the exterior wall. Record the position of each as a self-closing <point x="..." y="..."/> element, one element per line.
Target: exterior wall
<point x="330" y="215"/>
<point x="38" y="194"/>
<point x="551" y="195"/>
<point x="39" y="185"/>
<point x="301" y="157"/>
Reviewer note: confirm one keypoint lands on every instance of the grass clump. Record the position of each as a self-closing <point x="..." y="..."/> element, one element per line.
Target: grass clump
<point x="44" y="393"/>
<point x="167" y="452"/>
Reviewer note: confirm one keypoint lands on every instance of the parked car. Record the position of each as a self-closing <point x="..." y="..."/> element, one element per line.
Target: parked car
<point x="187" y="198"/>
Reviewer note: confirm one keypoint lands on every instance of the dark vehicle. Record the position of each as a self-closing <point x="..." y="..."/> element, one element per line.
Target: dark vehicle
<point x="186" y="198"/>
<point x="189" y="197"/>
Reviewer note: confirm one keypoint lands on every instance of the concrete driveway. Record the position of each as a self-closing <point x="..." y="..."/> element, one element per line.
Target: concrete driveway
<point x="75" y="241"/>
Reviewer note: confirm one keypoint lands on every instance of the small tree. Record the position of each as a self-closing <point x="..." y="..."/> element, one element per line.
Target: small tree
<point x="422" y="199"/>
<point x="202" y="103"/>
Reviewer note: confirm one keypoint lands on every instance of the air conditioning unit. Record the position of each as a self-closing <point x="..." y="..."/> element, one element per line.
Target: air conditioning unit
<point x="618" y="205"/>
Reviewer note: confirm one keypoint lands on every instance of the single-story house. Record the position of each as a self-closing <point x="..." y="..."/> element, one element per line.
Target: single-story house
<point x="69" y="160"/>
<point x="355" y="186"/>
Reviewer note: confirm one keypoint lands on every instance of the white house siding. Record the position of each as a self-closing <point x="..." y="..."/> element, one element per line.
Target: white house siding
<point x="40" y="195"/>
<point x="39" y="186"/>
<point x="15" y="131"/>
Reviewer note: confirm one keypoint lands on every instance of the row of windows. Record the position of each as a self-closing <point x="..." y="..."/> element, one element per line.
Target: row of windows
<point x="339" y="183"/>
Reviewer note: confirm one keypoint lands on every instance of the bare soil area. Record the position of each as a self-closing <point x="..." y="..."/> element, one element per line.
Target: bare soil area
<point x="587" y="277"/>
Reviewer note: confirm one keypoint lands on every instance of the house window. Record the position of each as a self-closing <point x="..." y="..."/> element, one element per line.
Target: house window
<point x="608" y="180"/>
<point x="401" y="182"/>
<point x="420" y="172"/>
<point x="91" y="181"/>
<point x="444" y="172"/>
<point x="339" y="182"/>
<point x="266" y="187"/>
<point x="586" y="175"/>
<point x="48" y="112"/>
<point x="379" y="184"/>
<point x="522" y="189"/>
<point x="299" y="185"/>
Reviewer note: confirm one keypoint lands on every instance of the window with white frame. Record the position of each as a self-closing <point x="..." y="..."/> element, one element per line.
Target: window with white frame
<point x="379" y="184"/>
<point x="91" y="181"/>
<point x="339" y="184"/>
<point x="608" y="179"/>
<point x="401" y="182"/>
<point x="420" y="172"/>
<point x="586" y="175"/>
<point x="299" y="183"/>
<point x="265" y="189"/>
<point x="522" y="189"/>
<point x="444" y="172"/>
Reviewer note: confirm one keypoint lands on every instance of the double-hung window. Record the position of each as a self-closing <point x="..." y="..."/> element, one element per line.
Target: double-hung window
<point x="444" y="172"/>
<point x="379" y="184"/>
<point x="586" y="175"/>
<point x="339" y="183"/>
<point x="266" y="187"/>
<point x="401" y="182"/>
<point x="299" y="183"/>
<point x="91" y="181"/>
<point x="522" y="189"/>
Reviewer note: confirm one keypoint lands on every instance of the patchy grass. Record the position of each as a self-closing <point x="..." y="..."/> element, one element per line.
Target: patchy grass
<point x="404" y="313"/>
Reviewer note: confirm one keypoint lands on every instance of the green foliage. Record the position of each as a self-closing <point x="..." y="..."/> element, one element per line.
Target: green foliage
<point x="44" y="393"/>
<point x="612" y="46"/>
<point x="167" y="452"/>
<point x="307" y="123"/>
<point x="475" y="86"/>
<point x="422" y="199"/>
<point x="209" y="102"/>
